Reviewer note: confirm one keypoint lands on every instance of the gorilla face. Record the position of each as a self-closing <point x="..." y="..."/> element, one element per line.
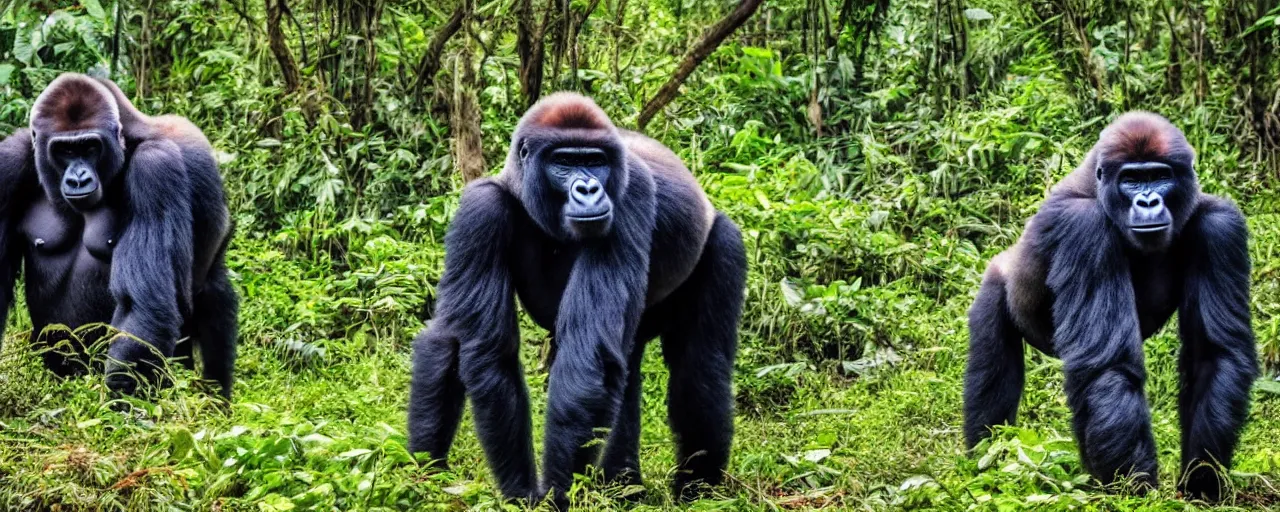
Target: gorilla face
<point x="580" y="173"/>
<point x="1145" y="199"/>
<point x="568" y="167"/>
<point x="571" y="184"/>
<point x="78" y="166"/>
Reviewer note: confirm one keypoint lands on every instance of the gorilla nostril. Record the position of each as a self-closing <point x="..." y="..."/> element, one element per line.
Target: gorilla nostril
<point x="586" y="190"/>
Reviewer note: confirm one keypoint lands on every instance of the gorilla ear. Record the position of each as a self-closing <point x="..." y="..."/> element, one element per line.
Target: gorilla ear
<point x="1098" y="172"/>
<point x="524" y="151"/>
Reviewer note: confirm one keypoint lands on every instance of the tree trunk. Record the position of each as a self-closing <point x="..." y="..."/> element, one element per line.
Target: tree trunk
<point x="711" y="40"/>
<point x="276" y="10"/>
<point x="574" y="31"/>
<point x="468" y="149"/>
<point x="531" y="49"/>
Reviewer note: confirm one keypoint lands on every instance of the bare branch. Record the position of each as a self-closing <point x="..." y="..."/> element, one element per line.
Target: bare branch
<point x="430" y="63"/>
<point x="276" y="10"/>
<point x="711" y="40"/>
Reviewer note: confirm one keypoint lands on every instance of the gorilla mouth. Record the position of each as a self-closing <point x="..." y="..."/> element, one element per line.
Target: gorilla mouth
<point x="1150" y="228"/>
<point x="590" y="218"/>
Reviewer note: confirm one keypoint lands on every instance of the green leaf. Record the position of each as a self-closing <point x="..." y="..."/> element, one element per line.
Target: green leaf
<point x="88" y="423"/>
<point x="354" y="453"/>
<point x="789" y="293"/>
<point x="182" y="442"/>
<point x="6" y="73"/>
<point x="1268" y="386"/>
<point x="978" y="14"/>
<point x="94" y="9"/>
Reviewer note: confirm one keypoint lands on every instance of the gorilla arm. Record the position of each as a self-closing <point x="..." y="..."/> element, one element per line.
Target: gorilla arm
<point x="473" y="345"/>
<point x="1218" y="363"/>
<point x="595" y="333"/>
<point x="1097" y="336"/>
<point x="151" y="266"/>
<point x="17" y="181"/>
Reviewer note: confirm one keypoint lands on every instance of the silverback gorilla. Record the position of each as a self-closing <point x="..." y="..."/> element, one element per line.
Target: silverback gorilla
<point x="118" y="218"/>
<point x="1119" y="245"/>
<point x="609" y="242"/>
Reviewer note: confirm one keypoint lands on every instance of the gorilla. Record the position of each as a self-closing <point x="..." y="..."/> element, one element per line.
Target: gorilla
<point x="1121" y="244"/>
<point x="117" y="218"/>
<point x="608" y="241"/>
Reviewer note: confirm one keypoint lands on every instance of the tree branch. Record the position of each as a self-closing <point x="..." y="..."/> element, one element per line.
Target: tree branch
<point x="276" y="10"/>
<point x="430" y="62"/>
<point x="711" y="40"/>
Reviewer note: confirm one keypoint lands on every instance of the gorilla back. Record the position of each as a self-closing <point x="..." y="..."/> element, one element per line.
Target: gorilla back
<point x="120" y="219"/>
<point x="1119" y="246"/>
<point x="608" y="241"/>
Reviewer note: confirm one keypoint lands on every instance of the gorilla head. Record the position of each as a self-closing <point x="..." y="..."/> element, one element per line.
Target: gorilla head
<point x="567" y="177"/>
<point x="78" y="140"/>
<point x="1146" y="179"/>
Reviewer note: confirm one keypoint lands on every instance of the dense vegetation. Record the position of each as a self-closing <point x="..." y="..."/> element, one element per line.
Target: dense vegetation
<point x="876" y="153"/>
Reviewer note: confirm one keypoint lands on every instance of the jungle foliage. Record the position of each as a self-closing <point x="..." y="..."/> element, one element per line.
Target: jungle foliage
<point x="875" y="152"/>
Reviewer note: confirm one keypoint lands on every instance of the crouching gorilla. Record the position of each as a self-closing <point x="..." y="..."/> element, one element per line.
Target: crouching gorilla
<point x="609" y="242"/>
<point x="118" y="218"/>
<point x="1119" y="245"/>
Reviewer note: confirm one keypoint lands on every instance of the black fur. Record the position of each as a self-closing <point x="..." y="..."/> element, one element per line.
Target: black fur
<point x="658" y="269"/>
<point x="144" y="254"/>
<point x="1081" y="286"/>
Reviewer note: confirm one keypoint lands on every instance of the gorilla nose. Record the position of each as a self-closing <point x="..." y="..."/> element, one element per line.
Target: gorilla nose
<point x="78" y="182"/>
<point x="1148" y="201"/>
<point x="586" y="192"/>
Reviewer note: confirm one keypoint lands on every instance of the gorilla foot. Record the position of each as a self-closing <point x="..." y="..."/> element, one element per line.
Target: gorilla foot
<point x="1204" y="482"/>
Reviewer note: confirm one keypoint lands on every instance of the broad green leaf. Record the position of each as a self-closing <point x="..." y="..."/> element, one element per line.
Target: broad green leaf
<point x="978" y="14"/>
<point x="94" y="9"/>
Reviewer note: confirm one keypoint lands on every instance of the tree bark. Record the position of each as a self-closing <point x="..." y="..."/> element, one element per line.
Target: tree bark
<point x="711" y="40"/>
<point x="430" y="62"/>
<point x="531" y="47"/>
<point x="468" y="149"/>
<point x="574" y="31"/>
<point x="276" y="10"/>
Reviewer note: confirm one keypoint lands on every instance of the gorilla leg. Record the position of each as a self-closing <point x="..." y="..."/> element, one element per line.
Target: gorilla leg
<point x="1112" y="424"/>
<point x="491" y="373"/>
<point x="699" y="346"/>
<point x="436" y="397"/>
<point x="621" y="462"/>
<point x="994" y="377"/>
<point x="217" y="309"/>
<point x="1218" y="363"/>
<point x="184" y="351"/>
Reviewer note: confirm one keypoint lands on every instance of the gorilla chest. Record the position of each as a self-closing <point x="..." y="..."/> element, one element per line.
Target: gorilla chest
<point x="541" y="275"/>
<point x="62" y="242"/>
<point x="1156" y="293"/>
